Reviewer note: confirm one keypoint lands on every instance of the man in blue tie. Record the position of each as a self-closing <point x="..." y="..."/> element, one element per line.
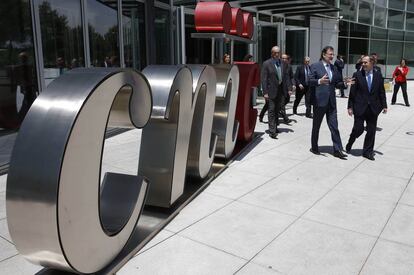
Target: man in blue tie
<point x="366" y="101"/>
<point x="324" y="78"/>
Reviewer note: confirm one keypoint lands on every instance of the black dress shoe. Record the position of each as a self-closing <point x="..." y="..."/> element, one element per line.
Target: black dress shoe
<point x="340" y="155"/>
<point x="309" y="116"/>
<point x="369" y="156"/>
<point x="315" y="151"/>
<point x="273" y="135"/>
<point x="392" y="103"/>
<point x="287" y="121"/>
<point x="408" y="105"/>
<point x="261" y="119"/>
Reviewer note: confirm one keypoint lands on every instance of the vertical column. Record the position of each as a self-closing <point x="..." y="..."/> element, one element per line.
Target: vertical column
<point x="120" y="35"/>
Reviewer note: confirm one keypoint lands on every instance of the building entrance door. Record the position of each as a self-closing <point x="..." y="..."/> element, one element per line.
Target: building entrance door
<point x="296" y="43"/>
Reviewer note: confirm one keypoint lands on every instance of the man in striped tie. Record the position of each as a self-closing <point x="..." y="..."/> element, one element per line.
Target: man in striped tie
<point x="366" y="101"/>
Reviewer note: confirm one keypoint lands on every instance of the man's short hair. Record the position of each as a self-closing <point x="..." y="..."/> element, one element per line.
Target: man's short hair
<point x="371" y="58"/>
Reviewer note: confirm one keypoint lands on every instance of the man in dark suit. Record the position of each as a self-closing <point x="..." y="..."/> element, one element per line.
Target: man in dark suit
<point x="288" y="87"/>
<point x="274" y="77"/>
<point x="302" y="76"/>
<point x="323" y="80"/>
<point x="340" y="64"/>
<point x="366" y="101"/>
<point x="376" y="67"/>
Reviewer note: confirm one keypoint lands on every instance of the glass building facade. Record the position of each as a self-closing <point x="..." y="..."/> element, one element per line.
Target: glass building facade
<point x="385" y="27"/>
<point x="43" y="39"/>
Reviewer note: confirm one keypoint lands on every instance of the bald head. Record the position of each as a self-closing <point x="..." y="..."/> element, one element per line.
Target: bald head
<point x="275" y="52"/>
<point x="306" y="60"/>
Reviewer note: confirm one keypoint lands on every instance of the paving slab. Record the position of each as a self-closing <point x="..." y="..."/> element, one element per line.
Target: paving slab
<point x="389" y="258"/>
<point x="313" y="248"/>
<point x="239" y="229"/>
<point x="179" y="255"/>
<point x="400" y="228"/>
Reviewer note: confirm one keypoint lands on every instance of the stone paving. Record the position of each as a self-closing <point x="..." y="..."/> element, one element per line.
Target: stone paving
<point x="278" y="209"/>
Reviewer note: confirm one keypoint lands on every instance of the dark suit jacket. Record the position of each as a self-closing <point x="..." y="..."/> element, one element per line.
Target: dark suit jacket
<point x="339" y="65"/>
<point x="322" y="95"/>
<point x="360" y="98"/>
<point x="300" y="76"/>
<point x="270" y="83"/>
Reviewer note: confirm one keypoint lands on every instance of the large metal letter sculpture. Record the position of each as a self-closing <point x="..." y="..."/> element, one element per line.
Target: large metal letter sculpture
<point x="165" y="141"/>
<point x="58" y="216"/>
<point x="245" y="113"/>
<point x="202" y="141"/>
<point x="225" y="124"/>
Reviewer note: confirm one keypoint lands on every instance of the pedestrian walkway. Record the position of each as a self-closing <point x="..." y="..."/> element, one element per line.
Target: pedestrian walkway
<point x="279" y="209"/>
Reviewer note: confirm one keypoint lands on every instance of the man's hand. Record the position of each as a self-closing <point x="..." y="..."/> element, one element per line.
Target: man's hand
<point x="384" y="111"/>
<point x="349" y="81"/>
<point x="266" y="96"/>
<point x="324" y="80"/>
<point x="290" y="92"/>
<point x="301" y="87"/>
<point x="350" y="112"/>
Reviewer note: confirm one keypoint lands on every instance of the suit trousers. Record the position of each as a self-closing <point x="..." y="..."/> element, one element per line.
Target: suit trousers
<point x="264" y="110"/>
<point x="332" y="120"/>
<point x="404" y="91"/>
<point x="273" y="114"/>
<point x="298" y="97"/>
<point x="371" y="120"/>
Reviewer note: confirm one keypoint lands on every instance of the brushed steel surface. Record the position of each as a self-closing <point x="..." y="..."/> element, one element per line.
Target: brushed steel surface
<point x="225" y="125"/>
<point x="58" y="214"/>
<point x="165" y="140"/>
<point x="202" y="141"/>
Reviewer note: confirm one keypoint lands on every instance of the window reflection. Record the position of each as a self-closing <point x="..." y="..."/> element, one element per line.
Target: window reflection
<point x="18" y="84"/>
<point x="349" y="9"/>
<point x="162" y="36"/>
<point x="365" y="12"/>
<point x="133" y="20"/>
<point x="380" y="16"/>
<point x="103" y="33"/>
<point x="62" y="37"/>
<point x="395" y="19"/>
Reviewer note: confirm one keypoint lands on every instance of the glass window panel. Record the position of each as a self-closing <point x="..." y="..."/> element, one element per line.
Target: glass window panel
<point x="267" y="36"/>
<point x="365" y="12"/>
<point x="378" y="33"/>
<point x="380" y="16"/>
<point x="395" y="50"/>
<point x="343" y="48"/>
<point x="295" y="45"/>
<point x="410" y="5"/>
<point x="358" y="30"/>
<point x="380" y="48"/>
<point x="103" y="33"/>
<point x="396" y="4"/>
<point x="198" y="51"/>
<point x="395" y="19"/>
<point x="409" y="55"/>
<point x="62" y="36"/>
<point x="396" y="35"/>
<point x="162" y="36"/>
<point x="409" y="36"/>
<point x="409" y="23"/>
<point x="349" y="9"/>
<point x="133" y="20"/>
<point x="18" y="87"/>
<point x="343" y="28"/>
<point x="265" y="17"/>
<point x="357" y="47"/>
<point x="381" y="2"/>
